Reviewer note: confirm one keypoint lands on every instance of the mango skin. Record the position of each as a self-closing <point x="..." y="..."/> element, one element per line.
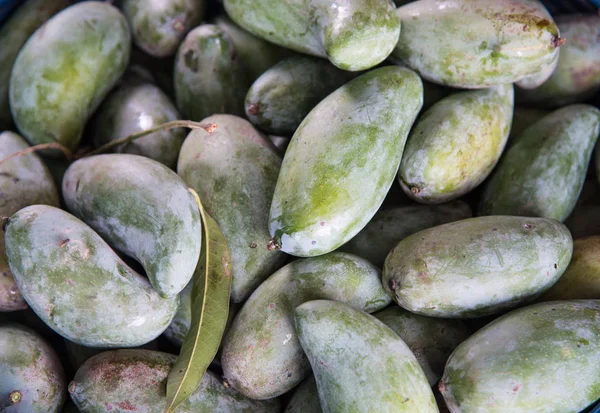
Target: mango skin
<point x="159" y="27"/>
<point x="305" y="398"/>
<point x="360" y="364"/>
<point x="24" y="181"/>
<point x="135" y="380"/>
<point x="65" y="70"/>
<point x="77" y="285"/>
<point x="543" y="358"/>
<point x="262" y="357"/>
<point x="280" y="98"/>
<point x="256" y="54"/>
<point x="143" y="209"/>
<point x="209" y="75"/>
<point x="467" y="268"/>
<point x="577" y="76"/>
<point x="341" y="30"/>
<point x="135" y="106"/>
<point x="431" y="340"/>
<point x="234" y="170"/>
<point x="542" y="174"/>
<point x="14" y="32"/>
<point x="581" y="279"/>
<point x="390" y="226"/>
<point x="504" y="42"/>
<point x="455" y="145"/>
<point x="342" y="161"/>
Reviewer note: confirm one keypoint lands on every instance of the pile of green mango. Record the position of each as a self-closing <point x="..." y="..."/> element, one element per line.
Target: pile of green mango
<point x="409" y="192"/>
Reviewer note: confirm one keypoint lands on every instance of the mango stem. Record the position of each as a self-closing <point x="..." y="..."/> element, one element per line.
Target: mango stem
<point x="12" y="399"/>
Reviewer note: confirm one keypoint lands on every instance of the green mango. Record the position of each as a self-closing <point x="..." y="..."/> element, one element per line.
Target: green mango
<point x="234" y="169"/>
<point x="539" y="78"/>
<point x="468" y="269"/>
<point x="158" y="27"/>
<point x="135" y="380"/>
<point x="577" y="76"/>
<point x="262" y="357"/>
<point x="342" y="161"/>
<point x="65" y="70"/>
<point x="543" y="358"/>
<point x="76" y="283"/>
<point x="390" y="226"/>
<point x="143" y="209"/>
<point x="431" y="340"/>
<point x="305" y="398"/>
<point x="135" y="106"/>
<point x="582" y="277"/>
<point x="476" y="43"/>
<point x="352" y="34"/>
<point x="24" y="181"/>
<point x="455" y="145"/>
<point x="256" y="54"/>
<point x="522" y="119"/>
<point x="542" y="174"/>
<point x="14" y="32"/>
<point x="359" y="363"/>
<point x="30" y="366"/>
<point x="280" y="98"/>
<point x="209" y="75"/>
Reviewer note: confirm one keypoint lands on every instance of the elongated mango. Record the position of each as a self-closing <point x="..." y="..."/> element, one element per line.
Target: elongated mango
<point x="390" y="226"/>
<point x="30" y="367"/>
<point x="342" y="161"/>
<point x="24" y="181"/>
<point x="359" y="363"/>
<point x="262" y="357"/>
<point x="476" y="43"/>
<point x="65" y="70"/>
<point x="143" y="209"/>
<point x="135" y="380"/>
<point x="542" y="174"/>
<point x="455" y="145"/>
<point x="352" y="34"/>
<point x="477" y="266"/>
<point x="280" y="98"/>
<point x="543" y="358"/>
<point x="76" y="283"/>
<point x="234" y="169"/>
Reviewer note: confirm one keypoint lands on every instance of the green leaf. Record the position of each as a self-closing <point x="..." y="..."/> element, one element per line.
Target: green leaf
<point x="210" y="308"/>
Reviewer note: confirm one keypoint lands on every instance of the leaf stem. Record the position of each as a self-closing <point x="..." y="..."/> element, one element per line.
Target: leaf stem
<point x="54" y="145"/>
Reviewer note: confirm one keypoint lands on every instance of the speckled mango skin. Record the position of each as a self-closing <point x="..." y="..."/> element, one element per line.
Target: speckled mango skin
<point x="352" y="34"/>
<point x="280" y="98"/>
<point x="305" y="398"/>
<point x="262" y="357"/>
<point x="455" y="145"/>
<point x="158" y="27"/>
<point x="542" y="174"/>
<point x="209" y="75"/>
<point x="234" y="170"/>
<point x="133" y="107"/>
<point x="65" y="70"/>
<point x="14" y="32"/>
<point x="28" y="364"/>
<point x="256" y="54"/>
<point x="577" y="76"/>
<point x="342" y="161"/>
<point x="431" y="340"/>
<point x="543" y="358"/>
<point x="135" y="380"/>
<point x="477" y="266"/>
<point x="77" y="284"/>
<point x="581" y="279"/>
<point x="360" y="364"/>
<point x="503" y="42"/>
<point x="24" y="181"/>
<point x="390" y="226"/>
<point x="143" y="209"/>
